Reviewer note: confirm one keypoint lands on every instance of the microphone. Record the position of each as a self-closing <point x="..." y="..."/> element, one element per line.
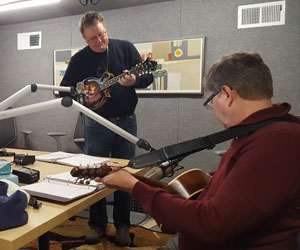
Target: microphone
<point x="80" y="92"/>
<point x="164" y="169"/>
<point x="157" y="173"/>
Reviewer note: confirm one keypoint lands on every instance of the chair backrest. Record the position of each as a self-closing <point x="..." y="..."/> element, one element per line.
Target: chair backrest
<point x="79" y="133"/>
<point x="7" y="132"/>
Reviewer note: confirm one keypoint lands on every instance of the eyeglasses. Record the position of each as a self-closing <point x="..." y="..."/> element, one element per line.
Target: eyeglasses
<point x="101" y="36"/>
<point x="207" y="103"/>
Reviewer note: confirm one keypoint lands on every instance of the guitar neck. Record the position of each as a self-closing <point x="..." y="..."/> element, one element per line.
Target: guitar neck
<point x="152" y="182"/>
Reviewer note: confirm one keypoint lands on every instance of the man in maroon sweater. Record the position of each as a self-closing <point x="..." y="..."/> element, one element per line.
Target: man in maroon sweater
<point x="253" y="198"/>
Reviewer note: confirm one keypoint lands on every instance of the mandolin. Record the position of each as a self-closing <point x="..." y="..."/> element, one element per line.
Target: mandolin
<point x="96" y="90"/>
<point x="187" y="185"/>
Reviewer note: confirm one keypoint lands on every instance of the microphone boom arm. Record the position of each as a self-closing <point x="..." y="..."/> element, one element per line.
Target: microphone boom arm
<point x="66" y="102"/>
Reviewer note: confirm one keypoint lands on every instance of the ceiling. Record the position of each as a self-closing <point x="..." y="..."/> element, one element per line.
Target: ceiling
<point x="66" y="8"/>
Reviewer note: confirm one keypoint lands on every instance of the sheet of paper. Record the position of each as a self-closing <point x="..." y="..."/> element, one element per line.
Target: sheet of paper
<point x="70" y="159"/>
<point x="82" y="160"/>
<point x="53" y="157"/>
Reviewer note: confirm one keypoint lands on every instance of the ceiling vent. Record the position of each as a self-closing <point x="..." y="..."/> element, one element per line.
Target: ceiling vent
<point x="262" y="14"/>
<point x="30" y="40"/>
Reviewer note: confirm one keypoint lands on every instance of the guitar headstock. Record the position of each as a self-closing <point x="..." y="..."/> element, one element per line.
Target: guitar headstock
<point x="90" y="172"/>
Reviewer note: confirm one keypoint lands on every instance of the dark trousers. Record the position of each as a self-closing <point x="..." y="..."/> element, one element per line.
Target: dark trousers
<point x="101" y="141"/>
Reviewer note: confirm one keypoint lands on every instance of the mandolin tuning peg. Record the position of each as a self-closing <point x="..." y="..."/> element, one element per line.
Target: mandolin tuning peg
<point x="87" y="182"/>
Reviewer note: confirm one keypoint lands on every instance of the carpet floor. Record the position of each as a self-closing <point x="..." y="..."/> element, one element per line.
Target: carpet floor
<point x="70" y="235"/>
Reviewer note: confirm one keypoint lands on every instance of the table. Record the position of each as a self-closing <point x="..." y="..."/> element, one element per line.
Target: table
<point x="50" y="214"/>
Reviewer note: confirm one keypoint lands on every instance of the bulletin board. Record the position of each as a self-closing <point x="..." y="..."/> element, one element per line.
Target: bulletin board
<point x="180" y="65"/>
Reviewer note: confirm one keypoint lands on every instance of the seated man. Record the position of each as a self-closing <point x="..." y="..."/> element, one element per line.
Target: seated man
<point x="253" y="199"/>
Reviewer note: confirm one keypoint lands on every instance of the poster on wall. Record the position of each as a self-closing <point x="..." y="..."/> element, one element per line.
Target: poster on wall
<point x="180" y="65"/>
<point x="61" y="60"/>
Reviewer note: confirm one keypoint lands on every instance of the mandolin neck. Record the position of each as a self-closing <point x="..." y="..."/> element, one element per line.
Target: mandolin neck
<point x="104" y="85"/>
<point x="109" y="83"/>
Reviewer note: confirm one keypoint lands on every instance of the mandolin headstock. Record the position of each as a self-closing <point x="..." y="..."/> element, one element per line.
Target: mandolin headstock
<point x="146" y="67"/>
<point x="149" y="65"/>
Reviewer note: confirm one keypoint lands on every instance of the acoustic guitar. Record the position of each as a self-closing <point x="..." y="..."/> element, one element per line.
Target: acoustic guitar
<point x="96" y="90"/>
<point x="187" y="185"/>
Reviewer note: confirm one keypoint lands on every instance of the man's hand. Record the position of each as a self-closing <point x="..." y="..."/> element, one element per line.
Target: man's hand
<point x="119" y="179"/>
<point x="92" y="97"/>
<point x="127" y="79"/>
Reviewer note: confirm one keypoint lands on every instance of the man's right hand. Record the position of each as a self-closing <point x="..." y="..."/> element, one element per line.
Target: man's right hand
<point x="92" y="97"/>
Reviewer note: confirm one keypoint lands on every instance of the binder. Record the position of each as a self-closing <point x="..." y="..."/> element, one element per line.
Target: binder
<point x="62" y="188"/>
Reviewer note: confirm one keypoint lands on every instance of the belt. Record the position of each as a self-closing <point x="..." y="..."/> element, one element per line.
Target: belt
<point x="118" y="118"/>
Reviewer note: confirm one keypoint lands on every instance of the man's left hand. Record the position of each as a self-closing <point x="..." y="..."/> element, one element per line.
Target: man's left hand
<point x="127" y="79"/>
<point x="119" y="179"/>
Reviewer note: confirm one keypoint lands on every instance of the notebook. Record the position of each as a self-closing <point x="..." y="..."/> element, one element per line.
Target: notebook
<point x="62" y="188"/>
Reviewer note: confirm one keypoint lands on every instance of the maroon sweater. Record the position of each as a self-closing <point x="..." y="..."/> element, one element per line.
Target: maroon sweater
<point x="253" y="199"/>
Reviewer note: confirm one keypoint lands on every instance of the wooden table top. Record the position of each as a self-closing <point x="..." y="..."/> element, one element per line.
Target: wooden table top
<point x="50" y="214"/>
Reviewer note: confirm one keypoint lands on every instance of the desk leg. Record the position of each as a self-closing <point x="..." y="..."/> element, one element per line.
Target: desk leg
<point x="43" y="242"/>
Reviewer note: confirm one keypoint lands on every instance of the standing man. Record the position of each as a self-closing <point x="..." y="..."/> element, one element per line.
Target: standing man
<point x="101" y="55"/>
<point x="253" y="199"/>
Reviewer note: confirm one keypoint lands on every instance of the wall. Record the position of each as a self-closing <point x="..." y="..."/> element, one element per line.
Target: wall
<point x="163" y="119"/>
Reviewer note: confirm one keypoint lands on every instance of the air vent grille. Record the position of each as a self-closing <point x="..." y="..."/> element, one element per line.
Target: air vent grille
<point x="30" y="40"/>
<point x="34" y="40"/>
<point x="263" y="14"/>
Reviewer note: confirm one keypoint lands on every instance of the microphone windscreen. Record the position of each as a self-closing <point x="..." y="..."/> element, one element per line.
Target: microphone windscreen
<point x="155" y="173"/>
<point x="80" y="86"/>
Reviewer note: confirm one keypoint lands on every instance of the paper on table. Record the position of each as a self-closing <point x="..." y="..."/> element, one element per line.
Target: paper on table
<point x="53" y="157"/>
<point x="82" y="160"/>
<point x="71" y="159"/>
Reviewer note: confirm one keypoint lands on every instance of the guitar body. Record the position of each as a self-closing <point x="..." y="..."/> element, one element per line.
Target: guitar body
<point x="187" y="185"/>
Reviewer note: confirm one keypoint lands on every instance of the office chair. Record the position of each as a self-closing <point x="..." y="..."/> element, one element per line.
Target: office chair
<point x="25" y="135"/>
<point x="79" y="133"/>
<point x="8" y="132"/>
<point x="56" y="136"/>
